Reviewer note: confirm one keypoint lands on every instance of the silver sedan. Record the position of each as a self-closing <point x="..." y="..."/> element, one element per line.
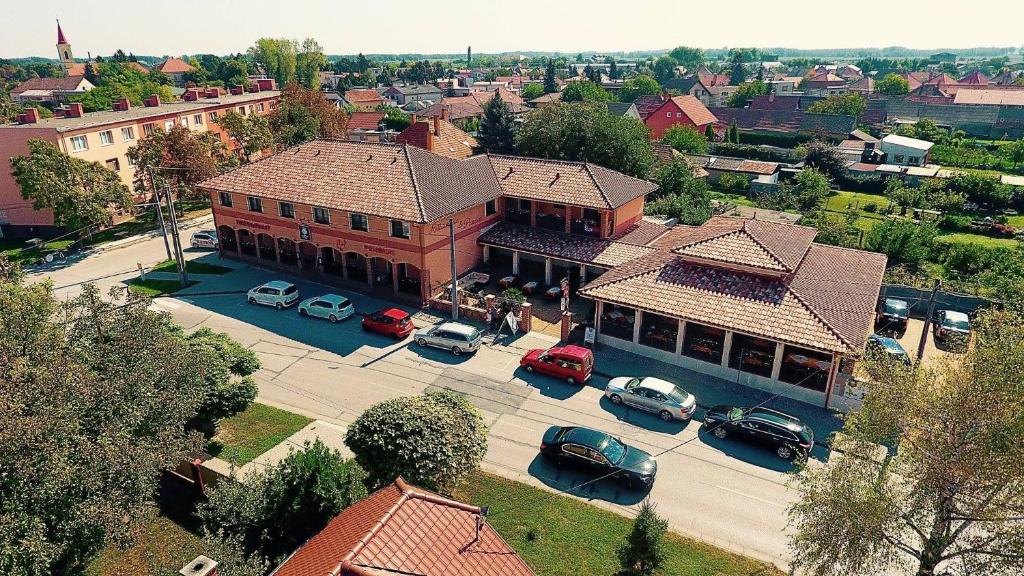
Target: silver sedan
<point x="660" y="397"/>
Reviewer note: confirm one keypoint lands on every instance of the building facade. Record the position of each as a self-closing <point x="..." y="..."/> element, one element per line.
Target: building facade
<point x="682" y="110"/>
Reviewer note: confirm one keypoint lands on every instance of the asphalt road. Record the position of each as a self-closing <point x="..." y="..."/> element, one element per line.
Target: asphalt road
<point x="720" y="491"/>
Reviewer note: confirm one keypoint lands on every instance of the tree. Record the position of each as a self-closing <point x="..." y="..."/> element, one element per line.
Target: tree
<point x="904" y="196"/>
<point x="613" y="68"/>
<point x="96" y="393"/>
<point x="308" y="63"/>
<point x="981" y="189"/>
<point x="892" y="85"/>
<point x="637" y="86"/>
<point x="275" y="510"/>
<point x="90" y="74"/>
<point x="826" y="158"/>
<point x="531" y="91"/>
<point x="747" y="92"/>
<point x="1014" y="152"/>
<point x="394" y="117"/>
<point x="686" y="56"/>
<point x="812" y="188"/>
<point x="277" y="57"/>
<point x="585" y="91"/>
<point x="550" y="85"/>
<point x="709" y="132"/>
<point x="903" y="241"/>
<point x="251" y="132"/>
<point x="431" y="440"/>
<point x="665" y="69"/>
<point x="685" y="139"/>
<point x="586" y="131"/>
<point x="190" y="158"/>
<point x="680" y="194"/>
<point x="304" y="115"/>
<point x="497" y="127"/>
<point x="834" y="230"/>
<point x="949" y="499"/>
<point x="738" y="75"/>
<point x="734" y="133"/>
<point x="643" y="552"/>
<point x="228" y="387"/>
<point x="79" y="193"/>
<point x="852" y="104"/>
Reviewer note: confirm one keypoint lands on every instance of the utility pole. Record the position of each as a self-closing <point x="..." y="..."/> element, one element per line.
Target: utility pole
<point x="928" y="320"/>
<point x="179" y="255"/>
<point x="455" y="278"/>
<point x="159" y="213"/>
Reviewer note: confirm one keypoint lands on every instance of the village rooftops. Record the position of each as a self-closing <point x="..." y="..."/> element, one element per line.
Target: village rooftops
<point x="576" y="183"/>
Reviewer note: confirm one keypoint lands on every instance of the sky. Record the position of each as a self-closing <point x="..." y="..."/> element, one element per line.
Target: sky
<point x="158" y="28"/>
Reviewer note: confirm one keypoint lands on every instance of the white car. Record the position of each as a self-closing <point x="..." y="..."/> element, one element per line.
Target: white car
<point x="205" y="239"/>
<point x="452" y="336"/>
<point x="278" y="293"/>
<point x="330" y="306"/>
<point x="668" y="401"/>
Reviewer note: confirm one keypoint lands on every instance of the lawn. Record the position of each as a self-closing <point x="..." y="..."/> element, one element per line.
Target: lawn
<point x="162" y="548"/>
<point x="259" y="428"/>
<point x="731" y="197"/>
<point x="857" y="200"/>
<point x="154" y="287"/>
<point x="986" y="241"/>
<point x="192" y="266"/>
<point x="561" y="536"/>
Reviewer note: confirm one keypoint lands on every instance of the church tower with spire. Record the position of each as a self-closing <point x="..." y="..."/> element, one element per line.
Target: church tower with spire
<point x="67" y="60"/>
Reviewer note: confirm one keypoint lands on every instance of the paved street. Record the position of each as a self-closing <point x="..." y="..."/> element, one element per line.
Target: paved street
<point x="720" y="491"/>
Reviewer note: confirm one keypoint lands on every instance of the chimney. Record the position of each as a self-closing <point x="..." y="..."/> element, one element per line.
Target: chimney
<point x="201" y="566"/>
<point x="437" y="126"/>
<point x="413" y="119"/>
<point x="122" y="104"/>
<point x="254" y="87"/>
<point x="237" y="89"/>
<point x="266" y="84"/>
<point x="30" y="116"/>
<point x="75" y="110"/>
<point x="212" y="92"/>
<point x="152" y="102"/>
<point x="191" y="95"/>
<point x="444" y="113"/>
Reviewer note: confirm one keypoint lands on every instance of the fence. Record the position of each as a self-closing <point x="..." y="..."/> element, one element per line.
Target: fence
<point x="918" y="299"/>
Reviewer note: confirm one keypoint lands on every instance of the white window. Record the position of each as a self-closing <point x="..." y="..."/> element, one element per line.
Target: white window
<point x="184" y="121"/>
<point x="668" y="114"/>
<point x="79" y="143"/>
<point x="148" y="129"/>
<point x="130" y="161"/>
<point x="259" y="107"/>
<point x="213" y="116"/>
<point x="241" y="110"/>
<point x="679" y="114"/>
<point x="128" y="134"/>
<point x="106" y="138"/>
<point x="197" y="119"/>
<point x="168" y="125"/>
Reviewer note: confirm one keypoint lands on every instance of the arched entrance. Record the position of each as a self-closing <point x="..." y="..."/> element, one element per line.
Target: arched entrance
<point x="332" y="261"/>
<point x="355" y="263"/>
<point x="307" y="256"/>
<point x="408" y="278"/>
<point x="227" y="239"/>
<point x="246" y="243"/>
<point x="382" y="271"/>
<point x="289" y="256"/>
<point x="267" y="248"/>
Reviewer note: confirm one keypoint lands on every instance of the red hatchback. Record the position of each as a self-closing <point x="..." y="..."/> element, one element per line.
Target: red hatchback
<point x="574" y="364"/>
<point x="389" y="322"/>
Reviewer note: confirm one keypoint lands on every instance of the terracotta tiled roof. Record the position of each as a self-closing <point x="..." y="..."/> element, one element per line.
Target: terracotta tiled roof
<point x="401" y="529"/>
<point x="763" y="120"/>
<point x="756" y="243"/>
<point x="363" y="96"/>
<point x="68" y="83"/>
<point x="647" y="105"/>
<point x="642" y="233"/>
<point x="990" y="96"/>
<point x="174" y="66"/>
<point x="77" y="69"/>
<point x="576" y="183"/>
<point x="452" y="142"/>
<point x="757" y="167"/>
<point x="697" y="112"/>
<point x="365" y="120"/>
<point x="387" y="180"/>
<point x="865" y="84"/>
<point x="570" y="247"/>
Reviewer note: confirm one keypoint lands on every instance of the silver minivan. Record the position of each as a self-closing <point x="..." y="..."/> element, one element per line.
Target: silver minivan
<point x="452" y="336"/>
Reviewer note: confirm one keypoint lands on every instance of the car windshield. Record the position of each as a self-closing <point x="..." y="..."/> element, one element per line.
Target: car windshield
<point x="956" y="323"/>
<point x="633" y="383"/>
<point x="678" y="395"/>
<point x="343" y="303"/>
<point x="473" y="334"/>
<point x="895" y="307"/>
<point x="290" y="290"/>
<point x="403" y="321"/>
<point x="735" y="414"/>
<point x="614" y="450"/>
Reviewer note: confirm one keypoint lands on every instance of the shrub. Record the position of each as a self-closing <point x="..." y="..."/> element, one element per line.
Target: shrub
<point x="643" y="552"/>
<point x="871" y="207"/>
<point x="903" y="241"/>
<point x="431" y="440"/>
<point x="734" y="182"/>
<point x="513" y="294"/>
<point x="965" y="257"/>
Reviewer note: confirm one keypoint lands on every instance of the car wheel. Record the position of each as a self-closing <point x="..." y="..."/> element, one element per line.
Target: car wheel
<point x="616" y="399"/>
<point x="784" y="452"/>
<point x="303" y="312"/>
<point x="456" y="351"/>
<point x="665" y="415"/>
<point x="332" y="318"/>
<point x="252" y="300"/>
<point x="570" y="380"/>
<point x="529" y="367"/>
<point x="279" y="305"/>
<point x="421" y="342"/>
<point x="720" y="432"/>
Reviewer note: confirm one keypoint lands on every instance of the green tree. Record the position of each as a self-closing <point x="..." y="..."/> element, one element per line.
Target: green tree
<point x="309" y="60"/>
<point x="689" y="57"/>
<point x="685" y="139"/>
<point x="904" y="196"/>
<point x="228" y="386"/>
<point x="892" y="85"/>
<point x="90" y="74"/>
<point x="431" y="440"/>
<point x="190" y="158"/>
<point x="395" y="118"/>
<point x="981" y="189"/>
<point x="586" y="131"/>
<point x="812" y="188"/>
<point x="680" y="194"/>
<point x="836" y="230"/>
<point x="665" y="69"/>
<point x="637" y="86"/>
<point x="550" y="86"/>
<point x="747" y="92"/>
<point x="80" y="193"/>
<point x="276" y="510"/>
<point x="497" y="127"/>
<point x="96" y="393"/>
<point x="585" y="91"/>
<point x="903" y="241"/>
<point x="709" y="132"/>
<point x="734" y="133"/>
<point x="643" y="552"/>
<point x="1014" y="152"/>
<point x="948" y="500"/>
<point x="277" y="57"/>
<point x="304" y="115"/>
<point x="251" y="132"/>
<point x="738" y="75"/>
<point x="826" y="158"/>
<point x="852" y="104"/>
<point x="531" y="91"/>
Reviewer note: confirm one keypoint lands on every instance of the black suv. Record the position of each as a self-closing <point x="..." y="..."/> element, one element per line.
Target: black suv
<point x="786" y="434"/>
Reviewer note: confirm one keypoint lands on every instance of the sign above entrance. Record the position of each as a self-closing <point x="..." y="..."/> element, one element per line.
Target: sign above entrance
<point x="304" y="233"/>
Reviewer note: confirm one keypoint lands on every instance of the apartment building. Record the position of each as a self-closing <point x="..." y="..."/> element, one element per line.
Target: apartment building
<point x="106" y="136"/>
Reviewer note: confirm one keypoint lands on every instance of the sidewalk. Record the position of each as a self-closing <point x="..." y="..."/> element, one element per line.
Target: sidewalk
<point x="114" y="245"/>
<point x="332" y="435"/>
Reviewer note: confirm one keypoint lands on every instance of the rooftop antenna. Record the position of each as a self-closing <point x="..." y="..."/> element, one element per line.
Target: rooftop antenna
<point x="480" y="520"/>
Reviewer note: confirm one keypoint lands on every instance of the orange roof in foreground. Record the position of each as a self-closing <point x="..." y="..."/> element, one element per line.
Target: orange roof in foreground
<point x="401" y="529"/>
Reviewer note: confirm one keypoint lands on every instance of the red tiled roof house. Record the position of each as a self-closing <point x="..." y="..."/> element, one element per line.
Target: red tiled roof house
<point x="684" y="110"/>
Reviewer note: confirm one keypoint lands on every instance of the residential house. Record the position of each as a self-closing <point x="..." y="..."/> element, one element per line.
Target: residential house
<point x="865" y="86"/>
<point x="472" y="105"/>
<point x="366" y="127"/>
<point x="51" y="90"/>
<point x="975" y="78"/>
<point x="176" y="68"/>
<point x="366" y="99"/>
<point x="403" y="95"/>
<point x="106" y="136"/>
<point x="440" y="136"/>
<point x="402" y="529"/>
<point x="623" y="109"/>
<point x="824" y="84"/>
<point x="546" y="100"/>
<point x="905" y="151"/>
<point x="990" y="96"/>
<point x="684" y="110"/>
<point x="647" y="105"/>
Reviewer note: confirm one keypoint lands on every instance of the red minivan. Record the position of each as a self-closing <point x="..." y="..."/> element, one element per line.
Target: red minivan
<point x="574" y="364"/>
<point x="389" y="322"/>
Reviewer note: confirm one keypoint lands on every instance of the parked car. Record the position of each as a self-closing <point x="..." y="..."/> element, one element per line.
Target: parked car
<point x="894" y="314"/>
<point x="600" y="453"/>
<point x="277" y="293"/>
<point x="786" y="434"/>
<point x="950" y="324"/>
<point x="883" y="345"/>
<point x="205" y="239"/>
<point x="574" y="364"/>
<point x="389" y="322"/>
<point x="330" y="306"/>
<point x="663" y="398"/>
<point x="452" y="336"/>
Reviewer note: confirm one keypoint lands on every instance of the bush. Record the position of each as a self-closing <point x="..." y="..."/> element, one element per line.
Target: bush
<point x="276" y="510"/>
<point x="514" y="294"/>
<point x="871" y="207"/>
<point x="903" y="241"/>
<point x="431" y="440"/>
<point x="643" y="552"/>
<point x="685" y="139"/>
<point x="734" y="182"/>
<point x="227" y="370"/>
<point x="967" y="257"/>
